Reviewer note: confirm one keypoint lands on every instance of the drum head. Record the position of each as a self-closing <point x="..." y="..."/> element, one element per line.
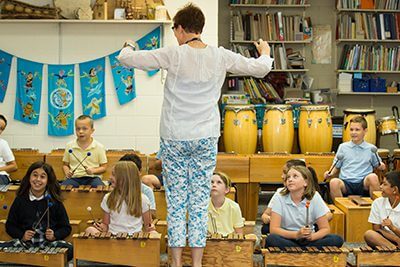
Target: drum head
<point x="388" y="118"/>
<point x="314" y="107"/>
<point x="358" y="111"/>
<point x="278" y="107"/>
<point x="238" y="108"/>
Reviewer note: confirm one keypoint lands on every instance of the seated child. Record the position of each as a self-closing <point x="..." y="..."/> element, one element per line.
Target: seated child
<point x="125" y="208"/>
<point x="152" y="180"/>
<point x="7" y="159"/>
<point x="266" y="216"/>
<point x="385" y="214"/>
<point x="38" y="197"/>
<point x="145" y="189"/>
<point x="225" y="216"/>
<point x="84" y="158"/>
<point x="295" y="211"/>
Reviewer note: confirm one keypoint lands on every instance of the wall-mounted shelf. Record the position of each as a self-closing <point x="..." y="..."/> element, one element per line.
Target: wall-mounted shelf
<point x="368" y="93"/>
<point x="269" y="6"/>
<point x="111" y="21"/>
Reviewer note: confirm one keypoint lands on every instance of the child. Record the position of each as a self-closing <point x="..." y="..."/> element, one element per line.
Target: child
<point x="37" y="216"/>
<point x="356" y="163"/>
<point x="145" y="189"/>
<point x="297" y="207"/>
<point x="151" y="180"/>
<point x="7" y="160"/>
<point x="266" y="216"/>
<point x="385" y="214"/>
<point x="225" y="216"/>
<point x="84" y="158"/>
<point x="126" y="209"/>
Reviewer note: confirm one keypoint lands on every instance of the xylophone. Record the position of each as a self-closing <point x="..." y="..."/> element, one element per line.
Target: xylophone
<point x="381" y="256"/>
<point x="234" y="250"/>
<point x="296" y="256"/>
<point x="139" y="249"/>
<point x="34" y="256"/>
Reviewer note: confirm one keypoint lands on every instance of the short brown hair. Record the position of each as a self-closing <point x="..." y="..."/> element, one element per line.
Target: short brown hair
<point x="83" y="117"/>
<point x="311" y="188"/>
<point x="360" y="119"/>
<point x="191" y="19"/>
<point x="225" y="178"/>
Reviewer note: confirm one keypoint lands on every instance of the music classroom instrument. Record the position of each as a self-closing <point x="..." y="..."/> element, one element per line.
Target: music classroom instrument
<point x="315" y="129"/>
<point x="139" y="249"/>
<point x="309" y="256"/>
<point x="387" y="125"/>
<point x="381" y="256"/>
<point x="34" y="256"/>
<point x="240" y="129"/>
<point x="234" y="250"/>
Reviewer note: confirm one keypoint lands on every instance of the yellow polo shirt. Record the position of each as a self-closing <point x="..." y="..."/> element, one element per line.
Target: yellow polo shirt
<point x="227" y="217"/>
<point x="96" y="158"/>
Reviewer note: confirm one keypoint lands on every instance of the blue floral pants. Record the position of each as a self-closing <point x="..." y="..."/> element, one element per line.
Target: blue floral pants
<point x="187" y="169"/>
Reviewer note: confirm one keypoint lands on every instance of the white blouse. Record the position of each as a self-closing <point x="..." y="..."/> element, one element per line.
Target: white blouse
<point x="193" y="85"/>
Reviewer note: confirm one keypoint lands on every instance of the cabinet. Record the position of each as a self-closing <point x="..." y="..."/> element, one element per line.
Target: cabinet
<point x="288" y="31"/>
<point x="368" y="43"/>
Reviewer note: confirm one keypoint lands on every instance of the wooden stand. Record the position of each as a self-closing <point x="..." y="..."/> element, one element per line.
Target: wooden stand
<point x="305" y="258"/>
<point x="376" y="258"/>
<point x="356" y="218"/>
<point x="230" y="251"/>
<point x="125" y="251"/>
<point x="35" y="259"/>
<point x="337" y="222"/>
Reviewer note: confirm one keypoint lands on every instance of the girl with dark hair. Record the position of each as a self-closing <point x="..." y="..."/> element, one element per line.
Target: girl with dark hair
<point x="385" y="214"/>
<point x="37" y="217"/>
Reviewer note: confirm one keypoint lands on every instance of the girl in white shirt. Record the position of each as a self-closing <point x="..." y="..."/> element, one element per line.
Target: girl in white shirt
<point x="190" y="121"/>
<point x="126" y="209"/>
<point x="385" y="214"/>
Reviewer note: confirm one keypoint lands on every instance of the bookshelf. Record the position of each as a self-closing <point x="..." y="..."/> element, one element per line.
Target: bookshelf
<point x="280" y="25"/>
<point x="368" y="42"/>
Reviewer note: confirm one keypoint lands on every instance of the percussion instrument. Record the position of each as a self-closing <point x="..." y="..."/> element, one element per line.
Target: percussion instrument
<point x="240" y="129"/>
<point x="354" y="232"/>
<point x="34" y="256"/>
<point x="396" y="159"/>
<point x="278" y="129"/>
<point x="369" y="115"/>
<point x="381" y="256"/>
<point x="384" y="155"/>
<point x="337" y="222"/>
<point x="139" y="249"/>
<point x="234" y="250"/>
<point x="308" y="256"/>
<point x="315" y="129"/>
<point x="387" y="125"/>
<point x="7" y="196"/>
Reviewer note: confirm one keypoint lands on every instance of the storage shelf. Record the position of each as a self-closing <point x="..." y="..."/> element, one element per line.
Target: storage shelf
<point x="369" y="93"/>
<point x="271" y="42"/>
<point x="368" y="10"/>
<point x="270" y="6"/>
<point x="366" y="41"/>
<point x="369" y="71"/>
<point x="110" y="21"/>
<point x="274" y="70"/>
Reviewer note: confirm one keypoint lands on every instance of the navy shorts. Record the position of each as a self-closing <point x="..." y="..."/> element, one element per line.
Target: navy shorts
<point x="355" y="188"/>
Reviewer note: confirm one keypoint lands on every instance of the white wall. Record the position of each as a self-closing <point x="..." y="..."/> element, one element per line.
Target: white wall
<point x="133" y="125"/>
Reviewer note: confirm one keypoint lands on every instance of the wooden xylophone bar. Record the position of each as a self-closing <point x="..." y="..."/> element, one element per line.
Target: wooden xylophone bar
<point x="381" y="256"/>
<point x="34" y="256"/>
<point x="296" y="256"/>
<point x="235" y="250"/>
<point x="139" y="249"/>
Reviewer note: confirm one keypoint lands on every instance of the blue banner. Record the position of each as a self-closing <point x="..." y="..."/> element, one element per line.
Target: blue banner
<point x="29" y="91"/>
<point x="124" y="80"/>
<point x="5" y="66"/>
<point x="150" y="41"/>
<point x="92" y="88"/>
<point x="61" y="100"/>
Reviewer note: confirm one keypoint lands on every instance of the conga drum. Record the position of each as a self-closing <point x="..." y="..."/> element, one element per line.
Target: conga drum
<point x="387" y="125"/>
<point x="396" y="159"/>
<point x="384" y="155"/>
<point x="278" y="129"/>
<point x="240" y="129"/>
<point x="315" y="129"/>
<point x="369" y="115"/>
